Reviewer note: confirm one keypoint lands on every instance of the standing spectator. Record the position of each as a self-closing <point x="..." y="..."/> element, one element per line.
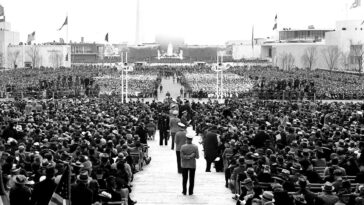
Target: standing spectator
<point x="19" y="194"/>
<point x="211" y="143"/>
<point x="43" y="191"/>
<point x="80" y="193"/>
<point x="189" y="154"/>
<point x="163" y="126"/>
<point x="173" y="124"/>
<point x="180" y="140"/>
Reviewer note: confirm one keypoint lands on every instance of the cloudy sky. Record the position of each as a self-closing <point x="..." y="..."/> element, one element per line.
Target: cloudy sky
<point x="198" y="21"/>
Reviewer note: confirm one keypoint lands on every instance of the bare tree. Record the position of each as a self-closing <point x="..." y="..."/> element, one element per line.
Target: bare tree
<point x="2" y="59"/>
<point x="56" y="59"/>
<point x="345" y="60"/>
<point x="33" y="53"/>
<point x="286" y="61"/>
<point x="331" y="55"/>
<point x="13" y="57"/>
<point x="290" y="61"/>
<point x="357" y="54"/>
<point x="283" y="61"/>
<point x="309" y="57"/>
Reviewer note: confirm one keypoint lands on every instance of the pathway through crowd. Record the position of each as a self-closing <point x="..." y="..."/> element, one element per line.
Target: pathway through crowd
<point x="159" y="182"/>
<point x="171" y="86"/>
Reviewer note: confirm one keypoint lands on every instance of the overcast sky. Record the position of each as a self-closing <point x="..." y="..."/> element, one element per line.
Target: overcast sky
<point x="198" y="21"/>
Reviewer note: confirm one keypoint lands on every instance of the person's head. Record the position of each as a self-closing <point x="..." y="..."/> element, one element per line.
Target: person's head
<point x="189" y="138"/>
<point x="50" y="172"/>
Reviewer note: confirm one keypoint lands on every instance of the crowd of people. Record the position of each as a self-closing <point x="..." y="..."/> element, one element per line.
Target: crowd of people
<point x="100" y="141"/>
<point x="203" y="85"/>
<point x="275" y="152"/>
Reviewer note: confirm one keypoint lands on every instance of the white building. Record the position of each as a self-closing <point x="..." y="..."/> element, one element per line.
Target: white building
<point x="7" y="37"/>
<point x="347" y="38"/>
<point x="39" y="55"/>
<point x="244" y="49"/>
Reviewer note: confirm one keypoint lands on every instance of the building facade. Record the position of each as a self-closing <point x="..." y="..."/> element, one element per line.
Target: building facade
<point x="87" y="52"/>
<point x="54" y="56"/>
<point x="7" y="37"/>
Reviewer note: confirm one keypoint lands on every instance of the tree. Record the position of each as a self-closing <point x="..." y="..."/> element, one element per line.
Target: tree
<point x="286" y="61"/>
<point x="309" y="57"/>
<point x="33" y="53"/>
<point x="2" y="59"/>
<point x="357" y="54"/>
<point x="56" y="59"/>
<point x="345" y="60"/>
<point x="331" y="55"/>
<point x="13" y="57"/>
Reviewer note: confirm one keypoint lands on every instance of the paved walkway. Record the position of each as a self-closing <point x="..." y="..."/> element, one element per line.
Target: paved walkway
<point x="159" y="182"/>
<point x="169" y="85"/>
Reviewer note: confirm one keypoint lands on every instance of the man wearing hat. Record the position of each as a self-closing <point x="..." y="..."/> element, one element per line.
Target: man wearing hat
<point x="267" y="198"/>
<point x="173" y="125"/>
<point x="19" y="194"/>
<point x="327" y="196"/>
<point x="42" y="192"/>
<point x="163" y="126"/>
<point x="180" y="140"/>
<point x="189" y="154"/>
<point x="80" y="193"/>
<point x="211" y="145"/>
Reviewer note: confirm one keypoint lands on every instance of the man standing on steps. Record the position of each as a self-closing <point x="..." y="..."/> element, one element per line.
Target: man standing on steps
<point x="189" y="154"/>
<point x="173" y="125"/>
<point x="180" y="140"/>
<point x="163" y="126"/>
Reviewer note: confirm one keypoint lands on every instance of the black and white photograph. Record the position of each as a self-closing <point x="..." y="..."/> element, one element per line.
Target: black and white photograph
<point x="181" y="102"/>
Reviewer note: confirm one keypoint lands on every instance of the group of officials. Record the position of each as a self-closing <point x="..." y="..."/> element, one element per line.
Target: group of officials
<point x="174" y="125"/>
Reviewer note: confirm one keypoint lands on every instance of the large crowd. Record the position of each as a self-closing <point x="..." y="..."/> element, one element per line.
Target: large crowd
<point x="275" y="152"/>
<point x="102" y="142"/>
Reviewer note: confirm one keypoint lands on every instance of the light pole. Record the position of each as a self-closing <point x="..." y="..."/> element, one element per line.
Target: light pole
<point x="219" y="67"/>
<point x="124" y="67"/>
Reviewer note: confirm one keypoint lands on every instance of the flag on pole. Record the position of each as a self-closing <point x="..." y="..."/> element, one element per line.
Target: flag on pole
<point x="31" y="37"/>
<point x="275" y="23"/>
<point x="64" y="24"/>
<point x="63" y="190"/>
<point x="362" y="22"/>
<point x="355" y="4"/>
<point x="253" y="37"/>
<point x="107" y="37"/>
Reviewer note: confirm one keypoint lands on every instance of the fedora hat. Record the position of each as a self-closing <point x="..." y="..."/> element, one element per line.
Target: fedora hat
<point x="83" y="177"/>
<point x="20" y="179"/>
<point x="328" y="187"/>
<point x="189" y="136"/>
<point x="268" y="196"/>
<point x="181" y="125"/>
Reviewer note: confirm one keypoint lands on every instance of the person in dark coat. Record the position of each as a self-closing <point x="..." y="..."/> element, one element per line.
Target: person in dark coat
<point x="19" y="194"/>
<point x="43" y="190"/>
<point x="260" y="138"/>
<point x="143" y="133"/>
<point x="80" y="193"/>
<point x="163" y="126"/>
<point x="211" y="146"/>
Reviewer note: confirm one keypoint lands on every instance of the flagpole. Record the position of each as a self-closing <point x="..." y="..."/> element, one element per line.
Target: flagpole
<point x="67" y="29"/>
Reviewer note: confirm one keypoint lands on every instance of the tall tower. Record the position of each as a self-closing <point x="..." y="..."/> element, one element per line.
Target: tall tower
<point x="137" y="25"/>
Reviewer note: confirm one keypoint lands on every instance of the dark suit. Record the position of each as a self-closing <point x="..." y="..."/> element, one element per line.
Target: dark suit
<point x="81" y="195"/>
<point x="163" y="126"/>
<point x="19" y="196"/>
<point x="43" y="191"/>
<point x="211" y="148"/>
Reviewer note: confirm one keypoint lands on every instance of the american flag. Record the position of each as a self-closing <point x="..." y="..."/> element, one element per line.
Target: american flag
<point x="63" y="191"/>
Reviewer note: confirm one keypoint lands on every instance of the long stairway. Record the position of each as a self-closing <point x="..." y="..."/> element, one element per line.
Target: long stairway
<point x="171" y="86"/>
<point x="159" y="182"/>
